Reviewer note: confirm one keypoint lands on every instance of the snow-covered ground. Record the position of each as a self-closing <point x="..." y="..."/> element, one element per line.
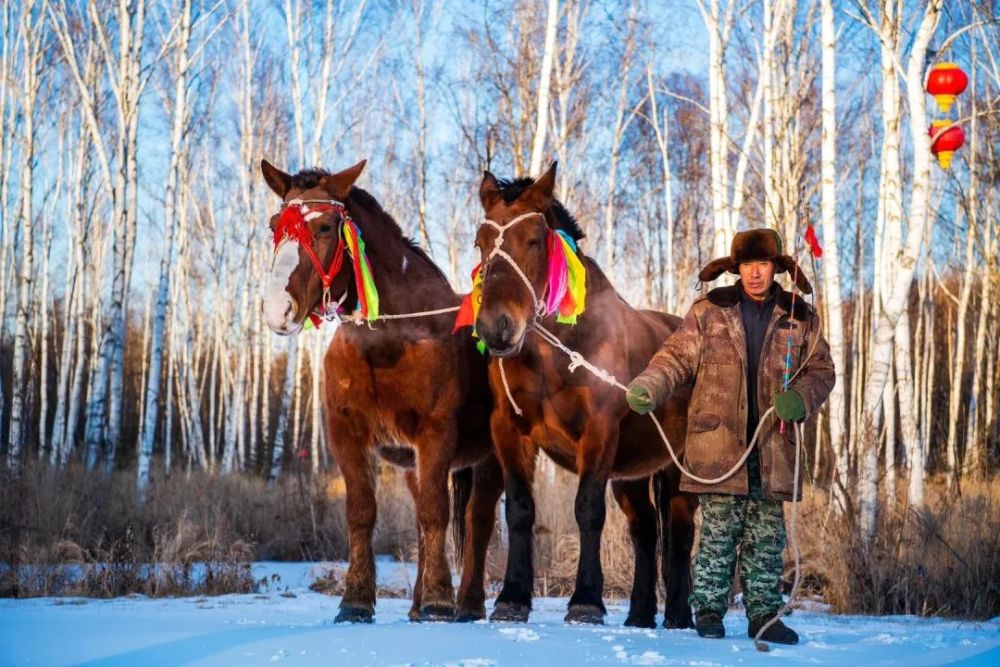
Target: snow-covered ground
<point x="295" y="627"/>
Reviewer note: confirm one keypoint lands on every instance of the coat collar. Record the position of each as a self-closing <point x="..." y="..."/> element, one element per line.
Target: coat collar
<point x="729" y="296"/>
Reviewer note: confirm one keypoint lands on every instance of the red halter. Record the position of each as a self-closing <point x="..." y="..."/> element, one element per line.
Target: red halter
<point x="292" y="225"/>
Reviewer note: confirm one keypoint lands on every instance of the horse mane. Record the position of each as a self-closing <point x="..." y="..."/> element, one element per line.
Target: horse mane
<point x="310" y="178"/>
<point x="511" y="189"/>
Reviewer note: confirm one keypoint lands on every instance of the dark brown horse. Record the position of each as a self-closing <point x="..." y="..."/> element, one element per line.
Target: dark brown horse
<point x="407" y="390"/>
<point x="582" y="423"/>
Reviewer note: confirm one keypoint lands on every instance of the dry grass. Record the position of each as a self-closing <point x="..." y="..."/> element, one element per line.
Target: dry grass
<point x="557" y="540"/>
<point x="942" y="561"/>
<point x="333" y="581"/>
<point x="79" y="533"/>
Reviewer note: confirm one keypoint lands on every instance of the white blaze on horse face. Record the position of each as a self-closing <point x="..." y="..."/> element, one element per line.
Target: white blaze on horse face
<point x="279" y="307"/>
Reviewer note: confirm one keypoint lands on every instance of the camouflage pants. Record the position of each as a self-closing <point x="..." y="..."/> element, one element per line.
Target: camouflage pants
<point x="757" y="527"/>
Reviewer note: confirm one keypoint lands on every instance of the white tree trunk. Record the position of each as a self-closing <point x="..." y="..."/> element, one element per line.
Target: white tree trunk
<point x="976" y="452"/>
<point x="544" y="90"/>
<point x="889" y="409"/>
<point x="126" y="84"/>
<point x="29" y="27"/>
<point x="904" y="262"/>
<point x="831" y="255"/>
<point x="179" y="123"/>
<point x="662" y="133"/>
<point x="718" y="27"/>
<point x="622" y="120"/>
<point x="912" y="443"/>
<point x="281" y="431"/>
<point x="957" y="365"/>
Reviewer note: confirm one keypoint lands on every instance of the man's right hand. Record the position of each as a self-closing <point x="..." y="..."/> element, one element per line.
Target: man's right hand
<point x="639" y="399"/>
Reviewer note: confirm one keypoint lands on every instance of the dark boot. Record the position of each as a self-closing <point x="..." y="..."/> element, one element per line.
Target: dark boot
<point x="778" y="633"/>
<point x="709" y="625"/>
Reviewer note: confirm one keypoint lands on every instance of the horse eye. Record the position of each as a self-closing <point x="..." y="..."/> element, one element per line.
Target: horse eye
<point x="323" y="229"/>
<point x="534" y="243"/>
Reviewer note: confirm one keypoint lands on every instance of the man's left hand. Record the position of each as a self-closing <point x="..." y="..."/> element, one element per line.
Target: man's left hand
<point x="789" y="406"/>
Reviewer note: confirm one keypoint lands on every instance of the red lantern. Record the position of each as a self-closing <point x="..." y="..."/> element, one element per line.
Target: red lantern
<point x="948" y="141"/>
<point x="944" y="82"/>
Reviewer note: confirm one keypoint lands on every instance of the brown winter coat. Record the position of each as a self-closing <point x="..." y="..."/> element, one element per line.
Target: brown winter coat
<point x="709" y="352"/>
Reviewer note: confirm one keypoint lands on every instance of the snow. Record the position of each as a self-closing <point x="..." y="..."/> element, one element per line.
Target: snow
<point x="291" y="625"/>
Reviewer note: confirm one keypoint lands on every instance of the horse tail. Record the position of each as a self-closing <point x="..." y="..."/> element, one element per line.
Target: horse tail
<point x="662" y="502"/>
<point x="461" y="492"/>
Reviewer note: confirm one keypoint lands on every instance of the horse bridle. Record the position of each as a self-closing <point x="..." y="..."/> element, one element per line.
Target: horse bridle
<point x="498" y="251"/>
<point x="295" y="213"/>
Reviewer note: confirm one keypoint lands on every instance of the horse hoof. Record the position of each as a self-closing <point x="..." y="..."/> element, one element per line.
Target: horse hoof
<point x="638" y="621"/>
<point x="355" y="615"/>
<point x="414" y="614"/>
<point x="510" y="612"/>
<point x="437" y="613"/>
<point x="589" y="614"/>
<point x="681" y="622"/>
<point x="471" y="615"/>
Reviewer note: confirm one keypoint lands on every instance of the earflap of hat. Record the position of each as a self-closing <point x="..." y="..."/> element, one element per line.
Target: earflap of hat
<point x="716" y="268"/>
<point x="784" y="263"/>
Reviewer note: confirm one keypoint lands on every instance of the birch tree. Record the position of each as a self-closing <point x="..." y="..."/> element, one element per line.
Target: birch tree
<point x="831" y="251"/>
<point x="30" y="24"/>
<point x="903" y="261"/>
<point x="119" y="174"/>
<point x="544" y="90"/>
<point x="179" y="121"/>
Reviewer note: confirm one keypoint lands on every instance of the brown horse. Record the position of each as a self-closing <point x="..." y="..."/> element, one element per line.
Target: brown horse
<point x="582" y="423"/>
<point x="405" y="389"/>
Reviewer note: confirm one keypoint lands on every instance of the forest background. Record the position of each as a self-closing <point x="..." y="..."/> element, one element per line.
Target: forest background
<point x="142" y="398"/>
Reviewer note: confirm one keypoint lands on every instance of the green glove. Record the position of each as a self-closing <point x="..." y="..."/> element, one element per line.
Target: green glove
<point x="789" y="406"/>
<point x="639" y="399"/>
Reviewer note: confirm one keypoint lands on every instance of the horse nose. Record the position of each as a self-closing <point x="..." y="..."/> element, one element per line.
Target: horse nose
<point x="504" y="328"/>
<point x="279" y="311"/>
<point x="498" y="332"/>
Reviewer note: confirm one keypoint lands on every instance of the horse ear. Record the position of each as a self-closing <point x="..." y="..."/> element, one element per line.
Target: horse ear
<point x="276" y="179"/>
<point x="339" y="185"/>
<point x="539" y="194"/>
<point x="489" y="191"/>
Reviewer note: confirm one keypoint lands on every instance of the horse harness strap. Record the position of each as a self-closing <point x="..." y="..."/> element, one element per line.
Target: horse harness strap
<point x="295" y="213"/>
<point x="291" y="225"/>
<point x="498" y="251"/>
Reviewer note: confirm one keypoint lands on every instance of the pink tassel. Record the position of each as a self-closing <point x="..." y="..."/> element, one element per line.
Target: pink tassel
<point x="558" y="274"/>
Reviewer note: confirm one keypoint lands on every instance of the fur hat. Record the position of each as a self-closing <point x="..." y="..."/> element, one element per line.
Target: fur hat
<point x="756" y="245"/>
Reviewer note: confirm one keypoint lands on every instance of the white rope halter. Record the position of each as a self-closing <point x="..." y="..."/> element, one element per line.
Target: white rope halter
<point x="498" y="251"/>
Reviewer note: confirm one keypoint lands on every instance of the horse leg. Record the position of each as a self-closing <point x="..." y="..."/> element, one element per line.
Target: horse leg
<point x="418" y="586"/>
<point x="437" y="602"/>
<point x="517" y="456"/>
<point x="595" y="454"/>
<point x="480" y="517"/>
<point x="356" y="461"/>
<point x="586" y="604"/>
<point x="677" y="526"/>
<point x="633" y="497"/>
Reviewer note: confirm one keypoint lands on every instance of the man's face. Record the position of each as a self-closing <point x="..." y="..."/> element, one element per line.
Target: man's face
<point x="757" y="278"/>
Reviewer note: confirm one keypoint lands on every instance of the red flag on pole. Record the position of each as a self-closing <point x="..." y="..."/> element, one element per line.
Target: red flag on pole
<point x="814" y="246"/>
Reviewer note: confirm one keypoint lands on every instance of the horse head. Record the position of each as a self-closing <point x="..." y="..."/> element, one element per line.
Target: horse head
<point x="307" y="269"/>
<point x="529" y="265"/>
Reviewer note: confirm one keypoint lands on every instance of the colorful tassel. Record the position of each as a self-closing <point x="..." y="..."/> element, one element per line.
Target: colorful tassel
<point x="565" y="296"/>
<point x="365" y="284"/>
<point x="567" y="281"/>
<point x="468" y="311"/>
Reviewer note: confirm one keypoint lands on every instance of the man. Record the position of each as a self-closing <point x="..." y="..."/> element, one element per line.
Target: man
<point x="731" y="348"/>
